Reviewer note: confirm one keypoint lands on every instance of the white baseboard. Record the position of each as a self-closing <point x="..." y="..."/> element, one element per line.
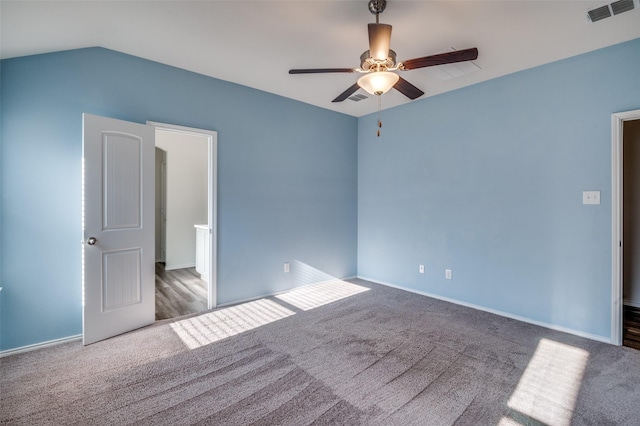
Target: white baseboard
<point x="172" y="267"/>
<point x="251" y="299"/>
<point x="579" y="333"/>
<point x="33" y="347"/>
<point x="631" y="303"/>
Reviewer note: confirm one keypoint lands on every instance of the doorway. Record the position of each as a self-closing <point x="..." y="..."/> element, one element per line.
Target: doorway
<point x="631" y="233"/>
<point x="185" y="210"/>
<point x="625" y="309"/>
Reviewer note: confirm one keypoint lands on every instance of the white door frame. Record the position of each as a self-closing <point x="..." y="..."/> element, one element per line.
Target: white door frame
<point x="212" y="138"/>
<point x="617" y="136"/>
<point x="163" y="206"/>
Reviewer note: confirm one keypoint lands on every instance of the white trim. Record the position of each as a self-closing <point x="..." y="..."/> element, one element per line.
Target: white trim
<point x="251" y="299"/>
<point x="617" y="134"/>
<point x="183" y="266"/>
<point x="79" y="336"/>
<point x="616" y="230"/>
<point x="595" y="337"/>
<point x="212" y="137"/>
<point x="35" y="346"/>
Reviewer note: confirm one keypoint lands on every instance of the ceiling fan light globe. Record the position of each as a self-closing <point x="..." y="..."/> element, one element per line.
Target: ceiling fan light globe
<point x="378" y="83"/>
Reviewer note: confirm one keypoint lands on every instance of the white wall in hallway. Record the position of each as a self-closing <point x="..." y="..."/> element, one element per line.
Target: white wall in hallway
<point x="186" y="180"/>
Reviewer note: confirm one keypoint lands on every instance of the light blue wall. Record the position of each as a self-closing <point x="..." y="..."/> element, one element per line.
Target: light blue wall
<point x="488" y="181"/>
<point x="287" y="180"/>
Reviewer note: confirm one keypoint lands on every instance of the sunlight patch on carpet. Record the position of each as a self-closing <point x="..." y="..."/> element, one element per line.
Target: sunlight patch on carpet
<point x="310" y="297"/>
<point x="548" y="388"/>
<point x="214" y="326"/>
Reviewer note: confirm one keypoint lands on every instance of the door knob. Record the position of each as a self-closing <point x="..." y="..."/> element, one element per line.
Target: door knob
<point x="92" y="241"/>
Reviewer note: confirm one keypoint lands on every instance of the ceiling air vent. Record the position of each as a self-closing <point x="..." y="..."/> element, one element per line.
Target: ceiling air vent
<point x="622" y="6"/>
<point x="608" y="10"/>
<point x="357" y="97"/>
<point x="598" y="14"/>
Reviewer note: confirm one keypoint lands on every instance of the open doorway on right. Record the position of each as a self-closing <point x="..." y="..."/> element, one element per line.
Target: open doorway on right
<point x="631" y="234"/>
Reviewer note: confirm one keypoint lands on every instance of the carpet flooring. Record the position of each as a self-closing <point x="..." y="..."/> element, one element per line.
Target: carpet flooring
<point x="339" y="353"/>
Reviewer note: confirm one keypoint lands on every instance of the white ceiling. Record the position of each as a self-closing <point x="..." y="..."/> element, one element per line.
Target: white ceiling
<point x="255" y="43"/>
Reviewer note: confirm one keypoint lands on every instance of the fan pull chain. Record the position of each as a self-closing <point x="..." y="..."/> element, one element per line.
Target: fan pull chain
<point x="379" y="108"/>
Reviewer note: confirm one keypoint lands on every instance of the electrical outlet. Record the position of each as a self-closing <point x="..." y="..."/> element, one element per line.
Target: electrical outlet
<point x="287" y="267"/>
<point x="590" y="197"/>
<point x="447" y="274"/>
<point x="421" y="269"/>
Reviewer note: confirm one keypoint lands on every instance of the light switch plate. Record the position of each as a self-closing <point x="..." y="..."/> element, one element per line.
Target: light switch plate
<point x="590" y="197"/>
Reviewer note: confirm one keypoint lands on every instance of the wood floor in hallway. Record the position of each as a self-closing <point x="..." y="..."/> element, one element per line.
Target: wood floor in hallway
<point x="631" y="337"/>
<point x="179" y="292"/>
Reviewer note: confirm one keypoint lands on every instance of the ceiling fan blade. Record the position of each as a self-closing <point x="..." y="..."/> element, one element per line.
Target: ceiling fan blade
<point x="440" y="59"/>
<point x="320" y="70"/>
<point x="344" y="95"/>
<point x="408" y="89"/>
<point x="379" y="41"/>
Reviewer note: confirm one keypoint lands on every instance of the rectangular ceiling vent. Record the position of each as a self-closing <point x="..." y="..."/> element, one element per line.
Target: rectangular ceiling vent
<point x="621" y="6"/>
<point x="357" y="97"/>
<point x="599" y="14"/>
<point x="609" y="10"/>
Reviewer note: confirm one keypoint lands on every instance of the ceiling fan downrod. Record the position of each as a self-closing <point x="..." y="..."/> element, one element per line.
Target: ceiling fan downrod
<point x="376" y="7"/>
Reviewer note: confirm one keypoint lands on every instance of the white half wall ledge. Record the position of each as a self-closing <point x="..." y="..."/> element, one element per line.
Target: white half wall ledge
<point x="554" y="327"/>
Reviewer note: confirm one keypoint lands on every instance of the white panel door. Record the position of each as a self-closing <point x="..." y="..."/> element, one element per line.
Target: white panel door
<point x="118" y="227"/>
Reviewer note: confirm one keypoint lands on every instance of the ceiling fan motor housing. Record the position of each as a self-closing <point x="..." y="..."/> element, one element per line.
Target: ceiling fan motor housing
<point x="377" y="6"/>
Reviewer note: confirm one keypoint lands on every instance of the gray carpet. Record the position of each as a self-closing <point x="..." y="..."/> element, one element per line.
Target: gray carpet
<point x="376" y="356"/>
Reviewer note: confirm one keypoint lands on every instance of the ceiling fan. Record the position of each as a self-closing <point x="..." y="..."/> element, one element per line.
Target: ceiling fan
<point x="378" y="63"/>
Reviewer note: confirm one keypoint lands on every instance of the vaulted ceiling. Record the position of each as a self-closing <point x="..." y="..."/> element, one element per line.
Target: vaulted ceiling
<point x="255" y="43"/>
